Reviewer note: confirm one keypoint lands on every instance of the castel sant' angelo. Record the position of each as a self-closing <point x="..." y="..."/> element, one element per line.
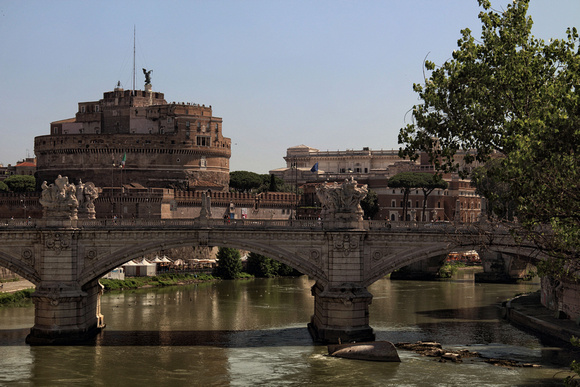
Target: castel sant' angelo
<point x="156" y="143"/>
<point x="149" y="159"/>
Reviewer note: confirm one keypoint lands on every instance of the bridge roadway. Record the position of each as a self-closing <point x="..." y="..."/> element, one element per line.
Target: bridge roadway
<point x="66" y="260"/>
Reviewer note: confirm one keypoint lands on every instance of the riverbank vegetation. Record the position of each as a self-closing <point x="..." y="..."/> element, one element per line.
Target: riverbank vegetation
<point x="449" y="269"/>
<point x="155" y="281"/>
<point x="19" y="298"/>
<point x="229" y="266"/>
<point x="261" y="266"/>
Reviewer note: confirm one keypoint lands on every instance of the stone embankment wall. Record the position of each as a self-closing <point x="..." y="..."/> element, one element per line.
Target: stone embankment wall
<point x="561" y="297"/>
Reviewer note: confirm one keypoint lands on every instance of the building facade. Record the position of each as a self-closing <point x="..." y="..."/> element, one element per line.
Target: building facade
<point x="136" y="136"/>
<point x="308" y="167"/>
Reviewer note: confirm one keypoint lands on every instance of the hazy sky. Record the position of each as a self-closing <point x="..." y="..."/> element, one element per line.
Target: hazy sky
<point x="332" y="75"/>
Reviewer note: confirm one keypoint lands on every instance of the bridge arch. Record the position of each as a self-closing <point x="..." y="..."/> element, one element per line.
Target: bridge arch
<point x="22" y="266"/>
<point x="398" y="260"/>
<point x="125" y="253"/>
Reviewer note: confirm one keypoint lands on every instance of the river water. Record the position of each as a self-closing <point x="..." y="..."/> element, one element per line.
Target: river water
<point x="253" y="332"/>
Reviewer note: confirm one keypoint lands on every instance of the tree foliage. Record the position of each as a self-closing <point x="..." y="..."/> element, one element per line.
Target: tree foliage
<point x="425" y="181"/>
<point x="511" y="94"/>
<point x="21" y="183"/>
<point x="229" y="263"/>
<point x="497" y="192"/>
<point x="370" y="204"/>
<point x="261" y="266"/>
<point x="406" y="181"/>
<point x="244" y="181"/>
<point x="4" y="187"/>
<point x="429" y="183"/>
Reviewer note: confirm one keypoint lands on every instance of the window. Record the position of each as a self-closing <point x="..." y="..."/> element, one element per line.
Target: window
<point x="96" y="108"/>
<point x="202" y="162"/>
<point x="393" y="203"/>
<point x="203" y="141"/>
<point x="187" y="124"/>
<point x="82" y="109"/>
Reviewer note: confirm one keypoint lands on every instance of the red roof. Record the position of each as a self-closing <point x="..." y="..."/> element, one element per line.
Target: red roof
<point x="26" y="164"/>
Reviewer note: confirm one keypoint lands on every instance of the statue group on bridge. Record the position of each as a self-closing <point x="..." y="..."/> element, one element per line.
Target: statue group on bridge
<point x="341" y="202"/>
<point x="64" y="200"/>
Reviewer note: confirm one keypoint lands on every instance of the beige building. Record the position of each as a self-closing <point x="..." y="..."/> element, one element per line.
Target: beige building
<point x="306" y="167"/>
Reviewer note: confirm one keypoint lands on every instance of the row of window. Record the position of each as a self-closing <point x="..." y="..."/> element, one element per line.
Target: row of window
<point x="96" y="108"/>
<point x="410" y="204"/>
<point x="468" y="206"/>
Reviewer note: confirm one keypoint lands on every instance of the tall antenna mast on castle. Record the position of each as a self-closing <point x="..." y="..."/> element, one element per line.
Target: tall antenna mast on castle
<point x="133" y="59"/>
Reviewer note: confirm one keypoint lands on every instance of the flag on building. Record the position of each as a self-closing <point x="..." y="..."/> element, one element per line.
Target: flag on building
<point x="314" y="168"/>
<point x="123" y="160"/>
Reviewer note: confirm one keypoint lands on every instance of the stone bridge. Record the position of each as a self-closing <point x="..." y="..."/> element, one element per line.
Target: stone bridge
<point x="65" y="257"/>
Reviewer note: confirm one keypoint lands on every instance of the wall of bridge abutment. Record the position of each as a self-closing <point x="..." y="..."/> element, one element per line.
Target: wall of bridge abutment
<point x="341" y="306"/>
<point x="66" y="313"/>
<point x="341" y="315"/>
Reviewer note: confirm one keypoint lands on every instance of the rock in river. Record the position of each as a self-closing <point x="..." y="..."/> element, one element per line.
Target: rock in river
<point x="372" y="350"/>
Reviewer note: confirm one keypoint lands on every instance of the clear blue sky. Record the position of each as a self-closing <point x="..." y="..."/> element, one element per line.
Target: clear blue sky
<point x="329" y="74"/>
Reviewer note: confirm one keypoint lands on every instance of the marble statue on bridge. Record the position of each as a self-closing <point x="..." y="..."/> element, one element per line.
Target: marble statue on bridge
<point x="341" y="202"/>
<point x="64" y="200"/>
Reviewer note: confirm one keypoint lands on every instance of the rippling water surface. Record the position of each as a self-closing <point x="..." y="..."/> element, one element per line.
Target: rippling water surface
<point x="253" y="332"/>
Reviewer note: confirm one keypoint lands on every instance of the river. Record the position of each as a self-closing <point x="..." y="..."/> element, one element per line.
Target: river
<point x="253" y="332"/>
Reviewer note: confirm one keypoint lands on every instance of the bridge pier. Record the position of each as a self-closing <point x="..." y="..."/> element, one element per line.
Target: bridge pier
<point x="66" y="313"/>
<point x="341" y="315"/>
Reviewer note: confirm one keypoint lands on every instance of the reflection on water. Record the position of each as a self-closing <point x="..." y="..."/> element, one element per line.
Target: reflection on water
<point x="249" y="332"/>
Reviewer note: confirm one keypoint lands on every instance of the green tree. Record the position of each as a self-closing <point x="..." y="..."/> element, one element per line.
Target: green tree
<point x="244" y="181"/>
<point x="4" y="187"/>
<point x="229" y="263"/>
<point x="496" y="192"/>
<point x="21" y="183"/>
<point x="428" y="183"/>
<point x="406" y="181"/>
<point x="261" y="266"/>
<point x="273" y="184"/>
<point x="370" y="204"/>
<point x="511" y="94"/>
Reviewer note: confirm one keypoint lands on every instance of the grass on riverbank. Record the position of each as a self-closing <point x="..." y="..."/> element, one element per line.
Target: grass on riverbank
<point x="156" y="281"/>
<point x="19" y="298"/>
<point x="161" y="280"/>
